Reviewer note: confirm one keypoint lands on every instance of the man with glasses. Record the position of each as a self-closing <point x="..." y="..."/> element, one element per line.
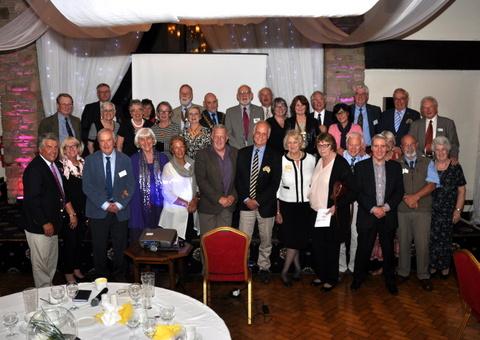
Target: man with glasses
<point x="180" y="113"/>
<point x="62" y="124"/>
<point x="241" y="118"/>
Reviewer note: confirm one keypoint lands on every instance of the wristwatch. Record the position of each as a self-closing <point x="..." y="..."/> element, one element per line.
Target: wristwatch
<point x="458" y="209"/>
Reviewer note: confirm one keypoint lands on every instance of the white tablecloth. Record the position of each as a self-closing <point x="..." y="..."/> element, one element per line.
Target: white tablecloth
<point x="188" y="312"/>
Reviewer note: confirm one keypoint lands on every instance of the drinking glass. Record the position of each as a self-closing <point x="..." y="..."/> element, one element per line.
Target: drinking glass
<point x="10" y="319"/>
<point x="148" y="278"/>
<point x="72" y="290"/>
<point x="149" y="327"/>
<point x="133" y="323"/>
<point x="135" y="292"/>
<point x="167" y="314"/>
<point x="57" y="293"/>
<point x="30" y="299"/>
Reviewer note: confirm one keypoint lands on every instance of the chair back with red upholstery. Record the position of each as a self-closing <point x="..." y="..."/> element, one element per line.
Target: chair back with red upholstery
<point x="225" y="254"/>
<point x="468" y="274"/>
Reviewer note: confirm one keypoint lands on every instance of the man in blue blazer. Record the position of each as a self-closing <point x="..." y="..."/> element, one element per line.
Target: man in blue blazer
<point x="108" y="184"/>
<point x="399" y="119"/>
<point x="365" y="115"/>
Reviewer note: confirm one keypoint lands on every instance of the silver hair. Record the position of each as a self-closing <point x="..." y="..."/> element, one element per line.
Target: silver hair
<point x="46" y="136"/>
<point x="360" y="87"/>
<point x="355" y="134"/>
<point x="441" y="140"/>
<point x="389" y="136"/>
<point x="144" y="133"/>
<point x="317" y="92"/>
<point x="220" y="127"/>
<point x="430" y="99"/>
<point x="103" y="104"/>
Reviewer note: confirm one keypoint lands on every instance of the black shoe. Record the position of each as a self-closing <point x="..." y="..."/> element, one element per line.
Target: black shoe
<point x="327" y="287"/>
<point x="316" y="282"/>
<point x="285" y="280"/>
<point x="356" y="284"/>
<point x="392" y="288"/>
<point x="426" y="285"/>
<point x="402" y="279"/>
<point x="264" y="276"/>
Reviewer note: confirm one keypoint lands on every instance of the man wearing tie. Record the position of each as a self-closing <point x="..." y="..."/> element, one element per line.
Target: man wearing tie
<point x="185" y="95"/>
<point x="363" y="114"/>
<point x="432" y="125"/>
<point x="44" y="207"/>
<point x="241" y="118"/>
<point x="62" y="124"/>
<point x="108" y="184"/>
<point x="353" y="155"/>
<point x="324" y="117"/>
<point x="210" y="116"/>
<point x="265" y="96"/>
<point x="259" y="169"/>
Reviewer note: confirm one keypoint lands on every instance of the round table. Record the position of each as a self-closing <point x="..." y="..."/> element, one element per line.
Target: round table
<point x="188" y="312"/>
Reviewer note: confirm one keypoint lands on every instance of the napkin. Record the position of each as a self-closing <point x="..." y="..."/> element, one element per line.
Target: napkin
<point x="167" y="332"/>
<point x="113" y="313"/>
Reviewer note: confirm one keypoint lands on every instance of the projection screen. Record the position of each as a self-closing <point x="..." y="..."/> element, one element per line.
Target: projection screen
<point x="159" y="76"/>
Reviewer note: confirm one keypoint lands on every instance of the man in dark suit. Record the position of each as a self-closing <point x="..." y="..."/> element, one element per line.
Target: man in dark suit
<point x="325" y="118"/>
<point x="399" y="119"/>
<point x="259" y="169"/>
<point x="108" y="184"/>
<point x="91" y="112"/>
<point x="215" y="168"/>
<point x="380" y="191"/>
<point x="241" y="118"/>
<point x="62" y="124"/>
<point x="211" y="116"/>
<point x="43" y="207"/>
<point x="365" y="115"/>
<point x="432" y="125"/>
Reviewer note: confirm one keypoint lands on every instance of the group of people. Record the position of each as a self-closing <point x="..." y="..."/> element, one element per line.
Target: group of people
<point x="345" y="181"/>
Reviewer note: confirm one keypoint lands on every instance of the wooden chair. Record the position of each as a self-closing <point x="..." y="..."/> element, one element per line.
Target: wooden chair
<point x="468" y="275"/>
<point x="225" y="258"/>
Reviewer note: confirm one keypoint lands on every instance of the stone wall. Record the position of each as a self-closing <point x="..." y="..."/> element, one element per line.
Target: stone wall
<point x="344" y="67"/>
<point x="21" y="104"/>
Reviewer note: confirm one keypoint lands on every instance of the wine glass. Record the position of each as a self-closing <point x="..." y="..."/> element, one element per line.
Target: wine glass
<point x="57" y="293"/>
<point x="135" y="292"/>
<point x="10" y="319"/>
<point x="149" y="327"/>
<point x="133" y="323"/>
<point x="167" y="313"/>
<point x="72" y="290"/>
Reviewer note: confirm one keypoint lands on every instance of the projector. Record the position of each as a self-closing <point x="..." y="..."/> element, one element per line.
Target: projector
<point x="159" y="239"/>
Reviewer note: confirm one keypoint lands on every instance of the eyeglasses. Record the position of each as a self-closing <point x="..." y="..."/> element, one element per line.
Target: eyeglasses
<point x="71" y="146"/>
<point x="323" y="146"/>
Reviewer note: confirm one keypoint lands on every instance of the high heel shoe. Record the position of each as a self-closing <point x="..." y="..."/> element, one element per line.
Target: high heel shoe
<point x="316" y="282"/>
<point x="285" y="280"/>
<point x="327" y="287"/>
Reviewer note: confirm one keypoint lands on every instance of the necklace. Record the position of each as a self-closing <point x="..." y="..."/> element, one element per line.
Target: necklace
<point x="295" y="158"/>
<point x="136" y="126"/>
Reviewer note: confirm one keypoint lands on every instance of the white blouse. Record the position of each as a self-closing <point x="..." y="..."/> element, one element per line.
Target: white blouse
<point x="296" y="179"/>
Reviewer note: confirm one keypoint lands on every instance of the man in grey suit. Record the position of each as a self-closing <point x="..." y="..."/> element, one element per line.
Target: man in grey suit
<point x="241" y="118"/>
<point x="62" y="124"/>
<point x="215" y="169"/>
<point x="185" y="95"/>
<point x="432" y="125"/>
<point x="108" y="184"/>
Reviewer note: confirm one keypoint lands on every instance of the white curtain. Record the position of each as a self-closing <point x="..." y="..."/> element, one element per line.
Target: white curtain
<point x="21" y="31"/>
<point x="76" y="66"/>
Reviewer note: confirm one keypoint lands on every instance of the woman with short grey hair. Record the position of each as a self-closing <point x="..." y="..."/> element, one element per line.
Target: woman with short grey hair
<point x="447" y="204"/>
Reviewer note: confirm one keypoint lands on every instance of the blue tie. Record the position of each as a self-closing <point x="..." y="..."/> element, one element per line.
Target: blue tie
<point x="108" y="179"/>
<point x="398" y="120"/>
<point x="214" y="118"/>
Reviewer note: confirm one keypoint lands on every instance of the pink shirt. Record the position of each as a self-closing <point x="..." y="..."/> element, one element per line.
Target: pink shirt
<point x="335" y="132"/>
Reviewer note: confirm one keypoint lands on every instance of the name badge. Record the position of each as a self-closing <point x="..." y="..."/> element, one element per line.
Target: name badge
<point x="375" y="122"/>
<point x="122" y="173"/>
<point x="440" y="129"/>
<point x="256" y="120"/>
<point x="404" y="171"/>
<point x="187" y="165"/>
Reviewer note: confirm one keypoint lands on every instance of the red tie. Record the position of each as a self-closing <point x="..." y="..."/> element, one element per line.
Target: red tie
<point x="246" y="123"/>
<point x="429" y="138"/>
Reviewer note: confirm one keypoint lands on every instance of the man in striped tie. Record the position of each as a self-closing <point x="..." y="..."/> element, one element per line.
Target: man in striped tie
<point x="258" y="176"/>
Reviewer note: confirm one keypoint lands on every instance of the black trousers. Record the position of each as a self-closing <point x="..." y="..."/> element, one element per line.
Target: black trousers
<point x="101" y="229"/>
<point x="366" y="240"/>
<point x="72" y="239"/>
<point x="326" y="252"/>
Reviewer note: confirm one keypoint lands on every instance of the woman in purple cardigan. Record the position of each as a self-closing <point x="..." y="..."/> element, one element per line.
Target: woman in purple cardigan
<point x="147" y="200"/>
